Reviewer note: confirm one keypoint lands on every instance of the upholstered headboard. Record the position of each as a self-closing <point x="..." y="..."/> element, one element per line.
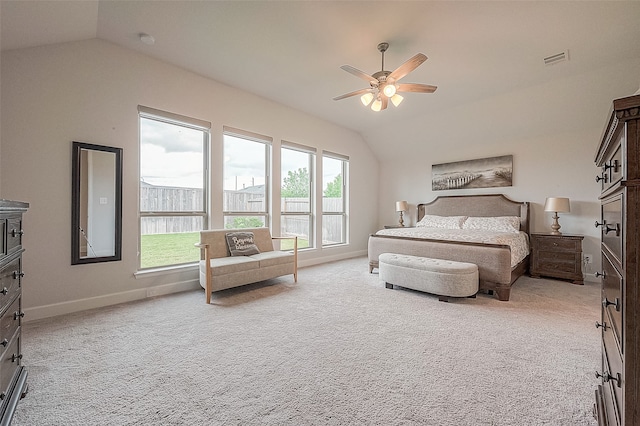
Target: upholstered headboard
<point x="477" y="205"/>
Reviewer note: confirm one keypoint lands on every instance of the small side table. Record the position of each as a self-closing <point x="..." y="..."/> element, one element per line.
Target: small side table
<point x="557" y="256"/>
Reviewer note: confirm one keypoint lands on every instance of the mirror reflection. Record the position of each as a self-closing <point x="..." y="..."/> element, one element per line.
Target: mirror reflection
<point x="97" y="203"/>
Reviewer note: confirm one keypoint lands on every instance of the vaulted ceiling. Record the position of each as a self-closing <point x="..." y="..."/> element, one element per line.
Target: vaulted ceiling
<point x="291" y="51"/>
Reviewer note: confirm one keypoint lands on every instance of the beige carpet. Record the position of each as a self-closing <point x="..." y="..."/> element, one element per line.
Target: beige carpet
<point x="337" y="348"/>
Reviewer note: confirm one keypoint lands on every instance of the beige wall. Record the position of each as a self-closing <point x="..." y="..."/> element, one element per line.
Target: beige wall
<point x="89" y="91"/>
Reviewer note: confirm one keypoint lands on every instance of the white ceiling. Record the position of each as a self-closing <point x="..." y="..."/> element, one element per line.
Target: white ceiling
<point x="291" y="51"/>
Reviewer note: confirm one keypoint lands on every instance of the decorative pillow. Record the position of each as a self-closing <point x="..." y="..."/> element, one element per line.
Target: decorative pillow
<point x="241" y="244"/>
<point x="443" y="222"/>
<point x="495" y="224"/>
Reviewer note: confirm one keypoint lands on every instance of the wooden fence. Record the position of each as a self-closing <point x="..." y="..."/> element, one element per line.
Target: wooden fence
<point x="174" y="199"/>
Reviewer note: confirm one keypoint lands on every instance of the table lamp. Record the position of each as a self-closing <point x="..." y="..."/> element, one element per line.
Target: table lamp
<point x="556" y="205"/>
<point x="401" y="206"/>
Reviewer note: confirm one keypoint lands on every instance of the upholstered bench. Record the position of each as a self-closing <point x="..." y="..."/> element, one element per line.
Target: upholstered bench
<point x="444" y="278"/>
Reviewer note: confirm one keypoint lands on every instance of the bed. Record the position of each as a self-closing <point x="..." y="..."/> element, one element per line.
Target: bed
<point x="479" y="229"/>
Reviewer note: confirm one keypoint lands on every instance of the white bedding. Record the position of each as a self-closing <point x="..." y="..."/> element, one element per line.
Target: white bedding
<point x="518" y="242"/>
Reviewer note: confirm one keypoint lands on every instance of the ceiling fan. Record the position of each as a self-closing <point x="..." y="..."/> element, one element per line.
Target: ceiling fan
<point x="384" y="85"/>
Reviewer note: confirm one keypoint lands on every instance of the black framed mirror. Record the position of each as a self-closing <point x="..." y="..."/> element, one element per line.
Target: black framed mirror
<point x="96" y="203"/>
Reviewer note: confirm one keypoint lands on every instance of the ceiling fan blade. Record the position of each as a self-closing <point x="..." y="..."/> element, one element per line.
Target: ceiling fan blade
<point x="416" y="87"/>
<point x="361" y="74"/>
<point x="348" y="95"/>
<point x="407" y="67"/>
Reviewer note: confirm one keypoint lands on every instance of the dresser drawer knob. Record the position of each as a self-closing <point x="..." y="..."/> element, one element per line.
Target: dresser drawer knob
<point x="616" y="228"/>
<point x="4" y="342"/>
<point x="606" y="377"/>
<point x="601" y="178"/>
<point x="17" y="274"/>
<point x="603" y="325"/>
<point x="4" y="291"/>
<point x="15" y="357"/>
<point x="604" y="222"/>
<point x="15" y="233"/>
<point x="600" y="274"/>
<point x="17" y="315"/>
<point x="606" y="302"/>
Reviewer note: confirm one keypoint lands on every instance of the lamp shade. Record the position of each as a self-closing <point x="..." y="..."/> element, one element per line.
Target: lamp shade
<point x="402" y="206"/>
<point x="559" y="205"/>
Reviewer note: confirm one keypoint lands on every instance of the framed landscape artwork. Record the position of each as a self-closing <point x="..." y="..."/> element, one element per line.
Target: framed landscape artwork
<point x="480" y="173"/>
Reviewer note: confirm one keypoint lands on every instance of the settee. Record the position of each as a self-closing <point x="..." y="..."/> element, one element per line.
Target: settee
<point x="235" y="257"/>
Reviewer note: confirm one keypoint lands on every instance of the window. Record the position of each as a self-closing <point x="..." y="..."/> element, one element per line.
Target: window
<point x="245" y="173"/>
<point x="296" y="219"/>
<point x="173" y="187"/>
<point x="334" y="207"/>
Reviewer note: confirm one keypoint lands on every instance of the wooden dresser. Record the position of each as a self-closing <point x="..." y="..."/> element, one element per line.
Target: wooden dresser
<point x="13" y="376"/>
<point x="618" y="156"/>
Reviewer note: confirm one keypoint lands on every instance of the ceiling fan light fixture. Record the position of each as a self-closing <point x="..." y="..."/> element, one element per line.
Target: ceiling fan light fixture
<point x="366" y="99"/>
<point x="376" y="105"/>
<point x="389" y="90"/>
<point x="396" y="99"/>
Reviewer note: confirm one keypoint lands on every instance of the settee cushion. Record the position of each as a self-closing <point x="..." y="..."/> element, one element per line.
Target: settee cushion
<point x="272" y="258"/>
<point x="230" y="265"/>
<point x="241" y="244"/>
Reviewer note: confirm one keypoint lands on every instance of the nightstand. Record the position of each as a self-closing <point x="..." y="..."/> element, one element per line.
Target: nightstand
<point x="557" y="256"/>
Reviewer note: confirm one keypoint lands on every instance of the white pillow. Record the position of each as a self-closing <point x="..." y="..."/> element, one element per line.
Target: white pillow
<point x="443" y="222"/>
<point x="495" y="224"/>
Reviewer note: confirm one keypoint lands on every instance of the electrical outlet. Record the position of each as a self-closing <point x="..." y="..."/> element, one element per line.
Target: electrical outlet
<point x="587" y="258"/>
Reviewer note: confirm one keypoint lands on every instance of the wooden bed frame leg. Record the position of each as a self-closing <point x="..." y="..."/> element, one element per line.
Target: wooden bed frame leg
<point x="503" y="294"/>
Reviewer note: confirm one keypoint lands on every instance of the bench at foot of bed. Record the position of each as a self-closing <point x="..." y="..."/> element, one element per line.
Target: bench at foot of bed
<point x="444" y="278"/>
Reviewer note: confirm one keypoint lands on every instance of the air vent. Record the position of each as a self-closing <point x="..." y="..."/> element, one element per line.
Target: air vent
<point x="558" y="57"/>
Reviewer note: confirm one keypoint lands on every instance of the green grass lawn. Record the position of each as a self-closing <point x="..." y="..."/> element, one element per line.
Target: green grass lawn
<point x="175" y="249"/>
<point x="168" y="249"/>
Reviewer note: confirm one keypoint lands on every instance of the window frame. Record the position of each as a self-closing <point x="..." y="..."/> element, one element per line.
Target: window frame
<point x="345" y="187"/>
<point x="268" y="146"/>
<point x="187" y="122"/>
<point x="310" y="214"/>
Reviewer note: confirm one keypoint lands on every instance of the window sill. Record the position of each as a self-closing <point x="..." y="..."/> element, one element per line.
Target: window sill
<point x="164" y="270"/>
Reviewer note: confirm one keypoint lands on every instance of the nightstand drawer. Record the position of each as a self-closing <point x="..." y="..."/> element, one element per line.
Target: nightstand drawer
<point x="558" y="261"/>
<point x="559" y="244"/>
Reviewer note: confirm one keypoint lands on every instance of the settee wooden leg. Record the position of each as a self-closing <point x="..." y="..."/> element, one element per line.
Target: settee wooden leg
<point x="388" y="285"/>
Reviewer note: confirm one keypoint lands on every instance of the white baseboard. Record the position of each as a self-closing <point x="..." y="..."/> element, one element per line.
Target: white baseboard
<point x="327" y="259"/>
<point x="63" y="308"/>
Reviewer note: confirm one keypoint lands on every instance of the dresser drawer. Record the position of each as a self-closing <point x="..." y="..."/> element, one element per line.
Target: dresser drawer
<point x="613" y="380"/>
<point x="10" y="361"/>
<point x="9" y="322"/>
<point x="612" y="169"/>
<point x="612" y="302"/>
<point x="612" y="226"/>
<point x="10" y="277"/>
<point x="14" y="234"/>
